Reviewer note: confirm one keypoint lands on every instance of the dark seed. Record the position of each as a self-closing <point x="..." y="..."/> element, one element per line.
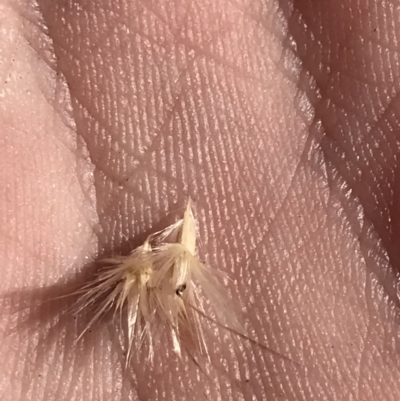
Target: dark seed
<point x="180" y="289"/>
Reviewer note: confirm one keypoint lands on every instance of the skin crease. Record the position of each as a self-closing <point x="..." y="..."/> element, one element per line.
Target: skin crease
<point x="279" y="118"/>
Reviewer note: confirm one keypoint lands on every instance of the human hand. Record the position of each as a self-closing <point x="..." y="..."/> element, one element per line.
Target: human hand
<point x="278" y="118"/>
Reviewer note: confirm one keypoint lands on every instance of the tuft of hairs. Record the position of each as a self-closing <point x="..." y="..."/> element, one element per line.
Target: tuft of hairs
<point x="161" y="285"/>
<point x="124" y="286"/>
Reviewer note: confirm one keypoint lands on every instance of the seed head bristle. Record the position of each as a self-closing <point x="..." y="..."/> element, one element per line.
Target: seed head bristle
<point x="161" y="283"/>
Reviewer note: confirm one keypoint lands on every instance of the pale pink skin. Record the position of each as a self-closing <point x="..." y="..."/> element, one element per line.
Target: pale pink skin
<point x="280" y="119"/>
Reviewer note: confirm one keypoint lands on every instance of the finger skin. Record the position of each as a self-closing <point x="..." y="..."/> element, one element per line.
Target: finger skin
<point x="278" y="119"/>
